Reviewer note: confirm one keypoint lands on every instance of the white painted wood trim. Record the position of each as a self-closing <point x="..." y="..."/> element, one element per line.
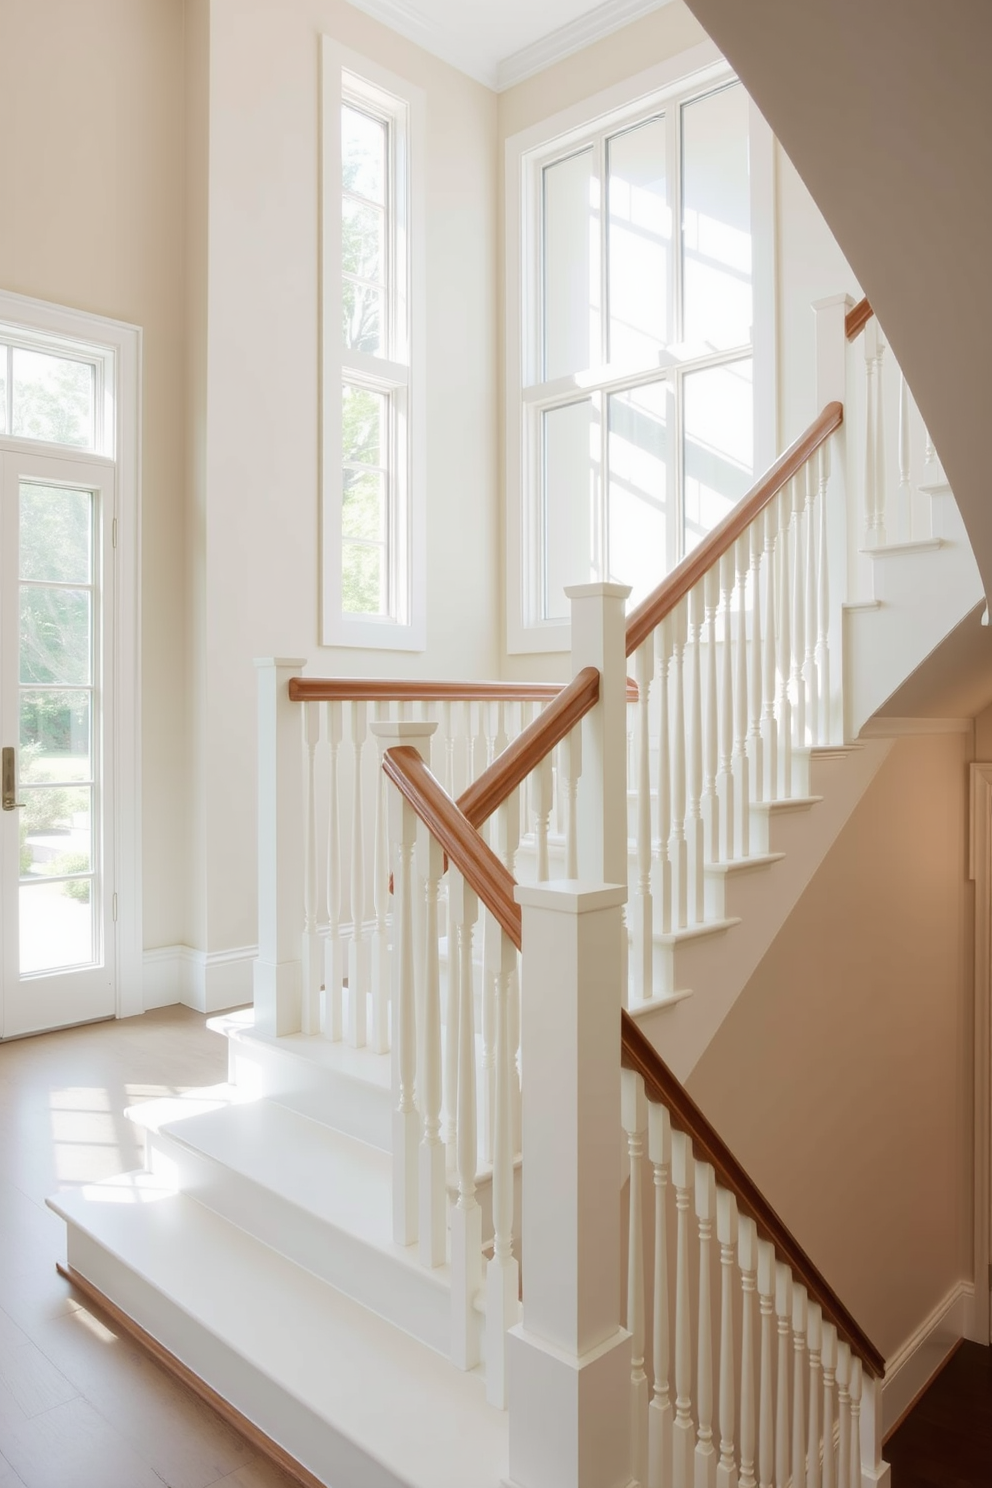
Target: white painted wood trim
<point x="206" y="981"/>
<point x="980" y="870"/>
<point x="913" y="1366"/>
<point x="881" y="727"/>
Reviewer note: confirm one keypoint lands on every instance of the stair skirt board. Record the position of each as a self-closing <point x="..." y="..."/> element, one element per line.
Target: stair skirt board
<point x="264" y="1445"/>
<point x="916" y="1365"/>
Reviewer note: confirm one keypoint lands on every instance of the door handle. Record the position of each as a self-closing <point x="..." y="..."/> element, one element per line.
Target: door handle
<point x="10" y="803"/>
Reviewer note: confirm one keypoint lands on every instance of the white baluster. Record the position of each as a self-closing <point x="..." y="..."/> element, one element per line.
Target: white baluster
<point x="798" y="1385"/>
<point x="769" y="727"/>
<point x="452" y="1041"/>
<point x="726" y="1233"/>
<point x="711" y="805"/>
<point x="798" y="692"/>
<point x="855" y="1391"/>
<point x="405" y="1119"/>
<point x="871" y="499"/>
<point x="929" y="452"/>
<point x="541" y="782"/>
<point x="381" y="904"/>
<point x="844" y="1415"/>
<point x="747" y="1255"/>
<point x="634" y="1119"/>
<point x="880" y="475"/>
<point x="358" y="951"/>
<point x="466" y="1216"/>
<point x="742" y="781"/>
<point x="508" y="840"/>
<point x="766" y="1399"/>
<point x="694" y="819"/>
<point x="725" y="780"/>
<point x="684" y="1178"/>
<point x="491" y="951"/>
<point x="432" y="1189"/>
<point x="334" y="953"/>
<point x="823" y="598"/>
<point x="643" y="909"/>
<point x="660" y="1410"/>
<point x="829" y="1361"/>
<point x="570" y="770"/>
<point x="447" y="726"/>
<point x="810" y="682"/>
<point x="783" y="1422"/>
<point x="814" y="1339"/>
<point x="783" y="703"/>
<point x="904" y="498"/>
<point x="705" y="1456"/>
<point x="312" y="951"/>
<point x="677" y="846"/>
<point x="502" y="1272"/>
<point x="665" y="885"/>
<point x="756" y="754"/>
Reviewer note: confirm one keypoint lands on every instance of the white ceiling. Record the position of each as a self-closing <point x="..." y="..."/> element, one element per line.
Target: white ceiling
<point x="499" y="42"/>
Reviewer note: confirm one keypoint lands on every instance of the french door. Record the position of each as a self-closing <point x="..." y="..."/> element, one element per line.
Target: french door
<point x="57" y="826"/>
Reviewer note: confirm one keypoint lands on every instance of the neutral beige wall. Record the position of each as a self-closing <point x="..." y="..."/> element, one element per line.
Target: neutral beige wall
<point x="262" y="391"/>
<point x="842" y="1076"/>
<point x="91" y="216"/>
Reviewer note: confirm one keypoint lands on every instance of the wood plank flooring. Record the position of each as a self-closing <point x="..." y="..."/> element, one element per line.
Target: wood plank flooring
<point x="80" y="1405"/>
<point x="946" y="1440"/>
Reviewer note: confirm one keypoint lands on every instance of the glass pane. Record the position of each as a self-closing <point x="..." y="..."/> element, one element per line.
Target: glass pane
<point x="56" y="925"/>
<point x="56" y="531"/>
<point x="363" y="580"/>
<point x="640" y="232"/>
<point x="363" y="154"/>
<point x="571" y="266"/>
<point x="716" y="212"/>
<point x="638" y="516"/>
<point x="362" y="238"/>
<point x="55" y="736"/>
<point x="55" y="635"/>
<point x="364" y="506"/>
<point x="363" y="418"/>
<point x="55" y="830"/>
<point x="53" y="398"/>
<point x="571" y="527"/>
<point x="362" y="318"/>
<point x="718" y="455"/>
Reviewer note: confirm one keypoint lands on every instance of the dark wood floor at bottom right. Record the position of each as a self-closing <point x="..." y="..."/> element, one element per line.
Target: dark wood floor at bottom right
<point x="946" y="1440"/>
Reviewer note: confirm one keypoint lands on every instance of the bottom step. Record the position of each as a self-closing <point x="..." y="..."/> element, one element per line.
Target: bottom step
<point x="353" y="1399"/>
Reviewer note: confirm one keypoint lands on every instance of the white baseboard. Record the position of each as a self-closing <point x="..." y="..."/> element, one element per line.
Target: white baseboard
<point x="909" y="1371"/>
<point x="207" y="981"/>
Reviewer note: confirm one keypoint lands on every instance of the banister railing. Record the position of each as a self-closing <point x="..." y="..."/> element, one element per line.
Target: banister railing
<point x="857" y="318"/>
<point x="394" y="689"/>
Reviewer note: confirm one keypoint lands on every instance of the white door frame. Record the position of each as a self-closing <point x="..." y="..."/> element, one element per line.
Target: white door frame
<point x="980" y="871"/>
<point x="124" y="445"/>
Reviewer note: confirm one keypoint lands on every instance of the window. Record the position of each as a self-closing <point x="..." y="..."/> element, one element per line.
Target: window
<point x="631" y="399"/>
<point x="54" y="391"/>
<point x="372" y="457"/>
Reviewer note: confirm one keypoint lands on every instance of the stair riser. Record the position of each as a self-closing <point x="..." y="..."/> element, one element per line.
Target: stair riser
<point x="361" y="1110"/>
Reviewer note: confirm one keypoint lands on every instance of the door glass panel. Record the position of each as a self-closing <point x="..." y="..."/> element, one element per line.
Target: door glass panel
<point x="55" y="736"/>
<point x="718" y="455"/>
<point x="571" y="530"/>
<point x="56" y="534"/>
<point x="56" y="925"/>
<point x="638" y="522"/>
<point x="716" y="219"/>
<point x="639" y="241"/>
<point x="55" y="635"/>
<point x="53" y="398"/>
<point x="571" y="266"/>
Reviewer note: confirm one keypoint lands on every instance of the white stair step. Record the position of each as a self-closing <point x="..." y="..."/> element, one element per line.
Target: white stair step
<point x="354" y="1399"/>
<point x="728" y="887"/>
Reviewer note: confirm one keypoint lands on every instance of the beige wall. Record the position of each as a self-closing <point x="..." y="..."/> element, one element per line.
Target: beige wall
<point x="91" y="216"/>
<point x="842" y="1076"/>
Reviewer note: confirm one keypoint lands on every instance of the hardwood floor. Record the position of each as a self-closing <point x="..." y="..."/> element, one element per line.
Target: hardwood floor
<point x="80" y="1405"/>
<point x="946" y="1440"/>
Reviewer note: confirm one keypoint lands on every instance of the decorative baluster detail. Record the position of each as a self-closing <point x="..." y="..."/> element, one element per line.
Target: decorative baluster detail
<point x="756" y="754"/>
<point x="798" y="614"/>
<point x="333" y="946"/>
<point x="705" y="1456"/>
<point x="643" y="907"/>
<point x="725" y="780"/>
<point x="634" y="1119"/>
<point x="814" y="1340"/>
<point x="405" y="1118"/>
<point x="823" y="597"/>
<point x="798" y="1385"/>
<point x="502" y="1272"/>
<point x="742" y="782"/>
<point x="747" y="1256"/>
<point x="665" y="884"/>
<point x="766" y="1399"/>
<point x="491" y="947"/>
<point x="783" y="1313"/>
<point x="542" y="799"/>
<point x="726" y="1233"/>
<point x="358" y="951"/>
<point x="783" y="705"/>
<point x="871" y="502"/>
<point x="660" y="1409"/>
<point x="769" y="728"/>
<point x="570" y="771"/>
<point x="810" y="681"/>
<point x="677" y="847"/>
<point x="929" y="452"/>
<point x="711" y="804"/>
<point x="694" y="781"/>
<point x="904" y="499"/>
<point x="381" y="905"/>
<point x="452" y="1042"/>
<point x="466" y="1216"/>
<point x="880" y="476"/>
<point x="684" y="1178"/>
<point x="312" y="956"/>
<point x="829" y="1362"/>
<point x="432" y="1189"/>
<point x="855" y="1390"/>
<point x="508" y="834"/>
<point x="844" y="1416"/>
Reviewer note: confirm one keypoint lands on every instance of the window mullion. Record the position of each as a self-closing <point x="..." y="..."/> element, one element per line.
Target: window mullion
<point x="673" y="144"/>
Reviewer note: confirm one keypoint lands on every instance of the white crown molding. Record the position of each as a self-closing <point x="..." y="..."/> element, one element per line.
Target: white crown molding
<point x="581" y="32"/>
<point x="410" y="22"/>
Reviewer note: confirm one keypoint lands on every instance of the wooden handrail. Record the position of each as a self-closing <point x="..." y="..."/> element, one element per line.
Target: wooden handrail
<point x="663" y="600"/>
<point x="529" y="748"/>
<point x="462" y="844"/>
<point x="857" y="318"/>
<point x="638" y="1054"/>
<point x="394" y="689"/>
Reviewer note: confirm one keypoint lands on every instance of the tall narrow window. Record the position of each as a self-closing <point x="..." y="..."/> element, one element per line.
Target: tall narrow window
<point x="373" y="562"/>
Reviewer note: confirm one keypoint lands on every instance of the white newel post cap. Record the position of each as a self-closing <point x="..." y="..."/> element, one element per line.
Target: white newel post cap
<point x="392" y="732"/>
<point x="292" y="663"/>
<point x="570" y="896"/>
<point x="597" y="591"/>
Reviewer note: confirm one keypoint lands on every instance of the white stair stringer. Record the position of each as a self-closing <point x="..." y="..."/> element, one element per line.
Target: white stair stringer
<point x="716" y="962"/>
<point x="354" y="1399"/>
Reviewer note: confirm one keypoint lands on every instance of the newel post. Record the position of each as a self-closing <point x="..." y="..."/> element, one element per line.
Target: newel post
<point x="874" y="1472"/>
<point x="278" y="971"/>
<point x="569" y="1359"/>
<point x="599" y="640"/>
<point x="841" y="574"/>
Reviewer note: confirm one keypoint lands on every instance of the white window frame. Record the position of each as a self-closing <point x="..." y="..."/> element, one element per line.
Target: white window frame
<point x="349" y="77"/>
<point x="115" y="349"/>
<point x="702" y="68"/>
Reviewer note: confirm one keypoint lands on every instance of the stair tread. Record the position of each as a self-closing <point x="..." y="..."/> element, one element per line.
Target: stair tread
<point x="338" y="1057"/>
<point x="341" y="1360"/>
